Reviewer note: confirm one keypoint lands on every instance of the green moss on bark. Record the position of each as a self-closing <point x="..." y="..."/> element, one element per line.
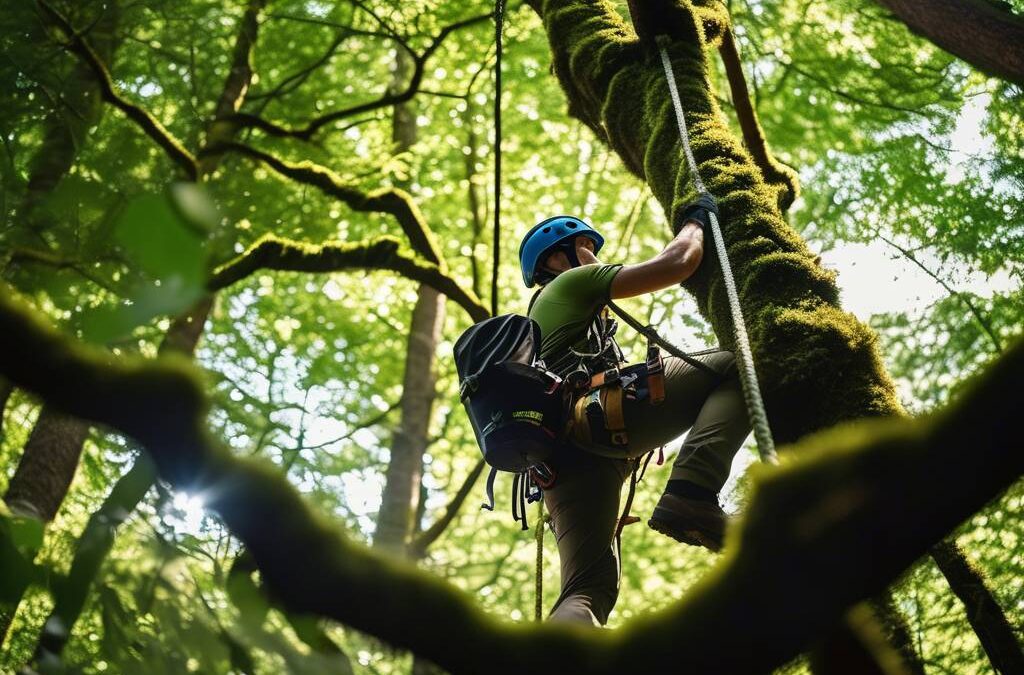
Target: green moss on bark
<point x="817" y="364"/>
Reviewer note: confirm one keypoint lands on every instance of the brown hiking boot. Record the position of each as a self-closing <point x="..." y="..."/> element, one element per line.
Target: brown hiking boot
<point x="690" y="521"/>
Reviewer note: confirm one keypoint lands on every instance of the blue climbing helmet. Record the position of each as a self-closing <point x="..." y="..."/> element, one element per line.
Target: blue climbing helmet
<point x="553" y="233"/>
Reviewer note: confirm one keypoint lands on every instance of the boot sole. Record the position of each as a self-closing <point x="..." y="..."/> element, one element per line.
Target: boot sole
<point x="690" y="537"/>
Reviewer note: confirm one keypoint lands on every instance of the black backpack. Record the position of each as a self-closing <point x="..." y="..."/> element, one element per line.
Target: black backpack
<point x="517" y="407"/>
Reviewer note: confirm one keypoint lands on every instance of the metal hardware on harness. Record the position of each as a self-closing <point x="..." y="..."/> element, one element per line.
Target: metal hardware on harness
<point x="543" y="475"/>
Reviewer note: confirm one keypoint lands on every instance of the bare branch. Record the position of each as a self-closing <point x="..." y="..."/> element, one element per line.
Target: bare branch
<point x="418" y="546"/>
<point x="997" y="344"/>
<point x="149" y="124"/>
<point x="387" y="100"/>
<point x="777" y="174"/>
<point x="29" y="255"/>
<point x="359" y="426"/>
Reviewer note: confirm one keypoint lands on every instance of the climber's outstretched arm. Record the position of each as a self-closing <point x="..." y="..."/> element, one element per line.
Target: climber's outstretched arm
<point x="680" y="258"/>
<point x="676" y="263"/>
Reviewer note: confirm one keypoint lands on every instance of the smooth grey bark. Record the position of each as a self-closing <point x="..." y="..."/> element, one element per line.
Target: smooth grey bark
<point x="396" y="518"/>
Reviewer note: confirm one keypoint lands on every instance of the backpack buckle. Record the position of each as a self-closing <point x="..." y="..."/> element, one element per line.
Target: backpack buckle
<point x="468" y="387"/>
<point x="578" y="380"/>
<point x="556" y="382"/>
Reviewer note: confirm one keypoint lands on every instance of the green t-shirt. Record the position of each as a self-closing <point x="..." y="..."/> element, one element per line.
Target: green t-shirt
<point x="566" y="307"/>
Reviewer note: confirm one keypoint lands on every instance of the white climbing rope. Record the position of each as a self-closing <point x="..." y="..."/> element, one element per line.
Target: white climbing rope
<point x="748" y="376"/>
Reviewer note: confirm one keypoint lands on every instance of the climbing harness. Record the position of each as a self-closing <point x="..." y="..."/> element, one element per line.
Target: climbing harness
<point x="748" y="376"/>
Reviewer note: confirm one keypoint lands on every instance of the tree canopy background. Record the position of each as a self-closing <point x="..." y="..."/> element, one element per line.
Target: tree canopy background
<point x="194" y="172"/>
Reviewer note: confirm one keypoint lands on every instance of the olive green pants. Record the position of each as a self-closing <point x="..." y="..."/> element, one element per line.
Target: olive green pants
<point x="584" y="501"/>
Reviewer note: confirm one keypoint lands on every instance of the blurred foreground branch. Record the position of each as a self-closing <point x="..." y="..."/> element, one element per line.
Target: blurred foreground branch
<point x="834" y="525"/>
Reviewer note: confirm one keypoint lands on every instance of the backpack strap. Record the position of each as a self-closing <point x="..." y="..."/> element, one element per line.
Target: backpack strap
<point x="490" y="490"/>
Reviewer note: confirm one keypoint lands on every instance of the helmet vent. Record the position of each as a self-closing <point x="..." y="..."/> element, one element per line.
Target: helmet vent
<point x="546" y="230"/>
<point x="571" y="224"/>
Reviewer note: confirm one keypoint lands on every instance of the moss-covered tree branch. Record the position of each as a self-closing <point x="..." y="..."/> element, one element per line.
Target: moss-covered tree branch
<point x="149" y="124"/>
<point x="847" y="513"/>
<point x="800" y="336"/>
<point x="381" y="253"/>
<point x="387" y="100"/>
<point x="393" y="201"/>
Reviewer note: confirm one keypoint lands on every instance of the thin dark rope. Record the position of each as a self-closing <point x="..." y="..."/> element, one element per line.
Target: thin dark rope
<point x="499" y="19"/>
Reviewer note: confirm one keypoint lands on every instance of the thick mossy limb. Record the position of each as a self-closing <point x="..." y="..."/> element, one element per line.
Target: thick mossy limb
<point x="271" y="252"/>
<point x="393" y="201"/>
<point x="817" y="365"/>
<point x="850" y="510"/>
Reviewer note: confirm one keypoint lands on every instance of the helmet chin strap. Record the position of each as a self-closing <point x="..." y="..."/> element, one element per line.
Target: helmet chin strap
<point x="569" y="249"/>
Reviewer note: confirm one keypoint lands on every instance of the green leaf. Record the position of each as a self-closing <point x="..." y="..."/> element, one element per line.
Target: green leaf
<point x="108" y="323"/>
<point x="195" y="207"/>
<point x="164" y="235"/>
<point x="26" y="534"/>
<point x="155" y="236"/>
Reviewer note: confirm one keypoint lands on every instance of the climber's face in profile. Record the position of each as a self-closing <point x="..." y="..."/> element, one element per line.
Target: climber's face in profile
<point x="557" y="261"/>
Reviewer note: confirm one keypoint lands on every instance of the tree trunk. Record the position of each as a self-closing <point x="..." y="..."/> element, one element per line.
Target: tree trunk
<point x="90" y="551"/>
<point x="50" y="457"/>
<point x="396" y="521"/>
<point x="64" y="132"/>
<point x="47" y="465"/>
<point x="984" y="33"/>
<point x="6" y="389"/>
<point x="983" y="612"/>
<point x="401" y="489"/>
<point x="221" y="129"/>
<point x="185" y="330"/>
<point x="41" y="480"/>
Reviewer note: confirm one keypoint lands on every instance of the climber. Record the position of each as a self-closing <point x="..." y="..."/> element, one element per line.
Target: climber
<point x="561" y="254"/>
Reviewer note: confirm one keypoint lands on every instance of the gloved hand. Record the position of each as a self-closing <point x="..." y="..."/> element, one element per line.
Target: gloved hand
<point x="699" y="211"/>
